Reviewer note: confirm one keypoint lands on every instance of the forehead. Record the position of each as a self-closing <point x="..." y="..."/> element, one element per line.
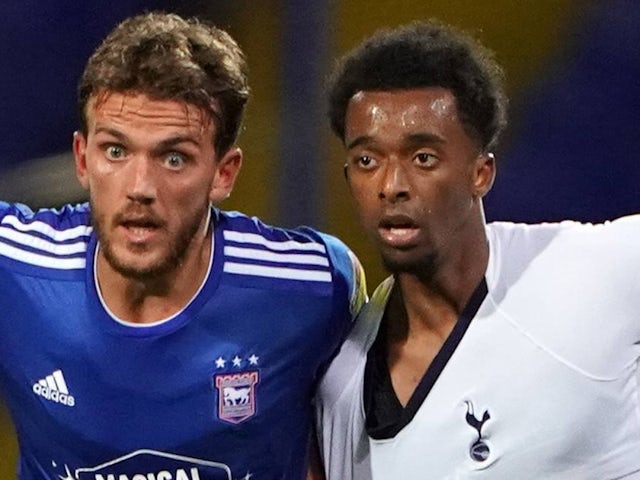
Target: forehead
<point x="414" y="109"/>
<point x="140" y="110"/>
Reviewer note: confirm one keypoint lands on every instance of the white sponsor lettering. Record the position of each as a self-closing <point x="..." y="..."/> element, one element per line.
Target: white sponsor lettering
<point x="180" y="474"/>
<point x="189" y="468"/>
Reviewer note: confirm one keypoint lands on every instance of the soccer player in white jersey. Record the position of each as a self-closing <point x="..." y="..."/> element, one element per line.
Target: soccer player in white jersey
<point x="149" y="334"/>
<point x="493" y="351"/>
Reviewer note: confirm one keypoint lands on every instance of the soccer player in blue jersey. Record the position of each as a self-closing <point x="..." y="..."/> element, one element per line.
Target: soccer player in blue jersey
<point x="148" y="334"/>
<point x="493" y="351"/>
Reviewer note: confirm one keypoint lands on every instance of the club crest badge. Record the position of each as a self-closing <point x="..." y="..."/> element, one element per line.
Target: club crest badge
<point x="479" y="450"/>
<point x="236" y="396"/>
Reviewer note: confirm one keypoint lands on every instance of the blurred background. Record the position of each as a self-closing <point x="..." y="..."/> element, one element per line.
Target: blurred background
<point x="570" y="152"/>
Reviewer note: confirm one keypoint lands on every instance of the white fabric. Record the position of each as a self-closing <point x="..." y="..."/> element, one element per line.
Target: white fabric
<point x="551" y="355"/>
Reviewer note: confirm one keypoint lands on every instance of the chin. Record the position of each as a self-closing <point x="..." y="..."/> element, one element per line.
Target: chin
<point x="140" y="272"/>
<point x="136" y="268"/>
<point x="421" y="266"/>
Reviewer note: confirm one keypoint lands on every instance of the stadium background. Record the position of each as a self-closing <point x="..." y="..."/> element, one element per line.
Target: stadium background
<point x="572" y="67"/>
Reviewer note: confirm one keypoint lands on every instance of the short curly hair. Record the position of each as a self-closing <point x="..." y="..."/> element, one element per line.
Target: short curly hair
<point x="170" y="58"/>
<point x="425" y="54"/>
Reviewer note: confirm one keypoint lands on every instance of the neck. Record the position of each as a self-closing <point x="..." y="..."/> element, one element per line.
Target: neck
<point x="152" y="299"/>
<point x="435" y="302"/>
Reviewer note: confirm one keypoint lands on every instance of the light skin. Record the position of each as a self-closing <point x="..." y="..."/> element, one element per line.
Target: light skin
<point x="151" y="171"/>
<point x="417" y="177"/>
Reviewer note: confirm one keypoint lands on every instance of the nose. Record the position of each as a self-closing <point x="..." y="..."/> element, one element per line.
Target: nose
<point x="395" y="183"/>
<point x="142" y="186"/>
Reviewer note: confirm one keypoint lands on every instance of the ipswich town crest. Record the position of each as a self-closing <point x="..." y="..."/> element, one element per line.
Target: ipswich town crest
<point x="236" y="396"/>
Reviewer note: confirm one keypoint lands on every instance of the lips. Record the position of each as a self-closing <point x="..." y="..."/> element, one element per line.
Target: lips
<point x="138" y="228"/>
<point x="138" y="233"/>
<point x="398" y="231"/>
<point x="133" y="224"/>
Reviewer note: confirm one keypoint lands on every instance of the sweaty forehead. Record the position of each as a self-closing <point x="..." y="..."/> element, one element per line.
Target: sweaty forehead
<point x="141" y="109"/>
<point x="403" y="106"/>
<point x="397" y="115"/>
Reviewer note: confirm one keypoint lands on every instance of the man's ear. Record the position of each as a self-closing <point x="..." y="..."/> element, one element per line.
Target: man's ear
<point x="227" y="169"/>
<point x="80" y="155"/>
<point x="484" y="174"/>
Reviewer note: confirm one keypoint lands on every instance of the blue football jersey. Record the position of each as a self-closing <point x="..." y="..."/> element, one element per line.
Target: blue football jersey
<point x="219" y="391"/>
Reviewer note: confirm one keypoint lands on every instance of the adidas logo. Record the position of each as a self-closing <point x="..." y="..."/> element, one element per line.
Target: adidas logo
<point x="54" y="388"/>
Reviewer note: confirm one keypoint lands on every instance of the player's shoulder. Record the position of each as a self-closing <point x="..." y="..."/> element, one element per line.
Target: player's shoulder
<point x="45" y="240"/>
<point x="519" y="232"/>
<point x="347" y="367"/>
<point x="302" y="252"/>
<point x="568" y="231"/>
<point x="59" y="219"/>
<point x="608" y="249"/>
<point x="241" y="227"/>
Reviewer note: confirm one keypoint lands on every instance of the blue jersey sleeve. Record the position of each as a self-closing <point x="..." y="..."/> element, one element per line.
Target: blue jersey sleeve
<point x="14" y="209"/>
<point x="47" y="240"/>
<point x="349" y="271"/>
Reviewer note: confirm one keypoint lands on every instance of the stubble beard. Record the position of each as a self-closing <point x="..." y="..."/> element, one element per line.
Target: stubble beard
<point x="179" y="244"/>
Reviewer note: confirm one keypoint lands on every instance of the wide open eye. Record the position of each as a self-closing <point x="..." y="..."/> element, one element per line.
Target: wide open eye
<point x="365" y="161"/>
<point x="115" y="152"/>
<point x="174" y="160"/>
<point x="425" y="159"/>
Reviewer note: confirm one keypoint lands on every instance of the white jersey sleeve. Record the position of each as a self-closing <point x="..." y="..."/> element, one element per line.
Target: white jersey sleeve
<point x="342" y="438"/>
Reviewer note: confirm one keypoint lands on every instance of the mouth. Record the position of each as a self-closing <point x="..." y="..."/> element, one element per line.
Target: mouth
<point x="398" y="231"/>
<point x="139" y="229"/>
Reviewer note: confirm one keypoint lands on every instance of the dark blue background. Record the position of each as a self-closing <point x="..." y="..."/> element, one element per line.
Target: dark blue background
<point x="571" y="150"/>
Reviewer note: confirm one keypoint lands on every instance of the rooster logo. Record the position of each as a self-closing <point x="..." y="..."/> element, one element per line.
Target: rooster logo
<point x="479" y="450"/>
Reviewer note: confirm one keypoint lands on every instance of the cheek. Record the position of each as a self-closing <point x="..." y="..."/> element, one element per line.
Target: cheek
<point x="187" y="196"/>
<point x="455" y="205"/>
<point x="102" y="189"/>
<point x="364" y="200"/>
<point x="103" y="178"/>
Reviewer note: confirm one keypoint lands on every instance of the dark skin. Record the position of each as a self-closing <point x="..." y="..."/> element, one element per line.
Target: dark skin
<point x="315" y="471"/>
<point x="417" y="176"/>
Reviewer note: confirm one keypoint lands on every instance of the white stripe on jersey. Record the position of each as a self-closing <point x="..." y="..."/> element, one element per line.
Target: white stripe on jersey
<point x="51" y="253"/>
<point x="277" y="272"/>
<point x="254" y="238"/>
<point x="254" y="254"/>
<point x="46" y="229"/>
<point x="41" y="260"/>
<point x="42" y="244"/>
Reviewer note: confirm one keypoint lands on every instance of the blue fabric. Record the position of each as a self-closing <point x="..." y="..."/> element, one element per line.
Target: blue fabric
<point x="93" y="397"/>
<point x="574" y="154"/>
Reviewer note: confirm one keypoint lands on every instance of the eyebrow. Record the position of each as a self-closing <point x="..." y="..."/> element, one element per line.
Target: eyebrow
<point x="424" y="137"/>
<point x="163" y="145"/>
<point x="176" y="140"/>
<point x="111" y="131"/>
<point x="411" y="139"/>
<point x="358" y="141"/>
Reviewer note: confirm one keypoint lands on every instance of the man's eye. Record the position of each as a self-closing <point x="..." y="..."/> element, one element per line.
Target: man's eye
<point x="115" y="152"/>
<point x="426" y="159"/>
<point x="365" y="161"/>
<point x="174" y="160"/>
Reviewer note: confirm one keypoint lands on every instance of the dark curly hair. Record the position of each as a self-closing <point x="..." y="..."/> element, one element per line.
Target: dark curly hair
<point x="170" y="58"/>
<point x="425" y="54"/>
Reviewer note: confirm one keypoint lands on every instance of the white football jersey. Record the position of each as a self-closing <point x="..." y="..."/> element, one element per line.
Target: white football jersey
<point x="543" y="384"/>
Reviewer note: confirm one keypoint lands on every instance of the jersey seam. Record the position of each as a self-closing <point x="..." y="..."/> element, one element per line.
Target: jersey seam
<point x="550" y="352"/>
